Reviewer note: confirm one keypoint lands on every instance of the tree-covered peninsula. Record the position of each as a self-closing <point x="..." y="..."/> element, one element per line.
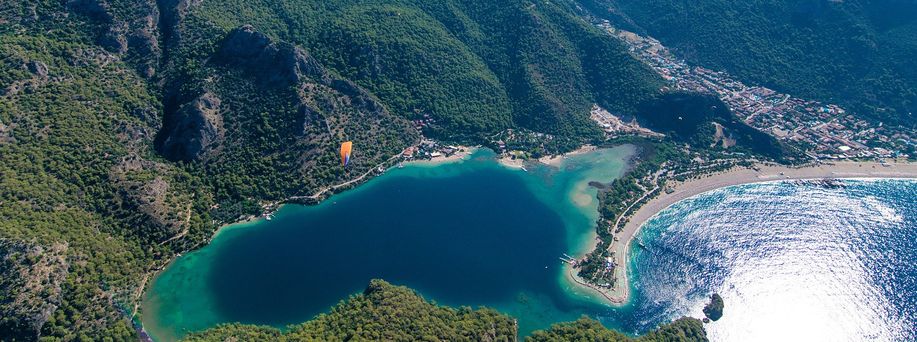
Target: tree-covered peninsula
<point x="384" y="312"/>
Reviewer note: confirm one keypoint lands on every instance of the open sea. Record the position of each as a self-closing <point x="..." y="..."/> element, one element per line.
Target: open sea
<point x="793" y="262"/>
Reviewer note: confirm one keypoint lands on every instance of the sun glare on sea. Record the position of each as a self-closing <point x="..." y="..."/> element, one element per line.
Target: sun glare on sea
<point x="792" y="262"/>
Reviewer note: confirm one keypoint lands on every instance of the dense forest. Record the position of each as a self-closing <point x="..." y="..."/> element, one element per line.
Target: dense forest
<point x="384" y="312"/>
<point x="586" y="329"/>
<point x="694" y="118"/>
<point x="856" y="53"/>
<point x="475" y="67"/>
<point x="130" y="130"/>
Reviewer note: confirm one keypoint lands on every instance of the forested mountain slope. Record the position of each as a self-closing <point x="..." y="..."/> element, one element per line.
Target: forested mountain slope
<point x="857" y="53"/>
<point x="384" y="312"/>
<point x="476" y="67"/>
<point x="79" y="179"/>
<point x="130" y="130"/>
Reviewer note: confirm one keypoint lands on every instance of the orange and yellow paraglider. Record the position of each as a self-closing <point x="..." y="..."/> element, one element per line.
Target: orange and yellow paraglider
<point x="346" y="147"/>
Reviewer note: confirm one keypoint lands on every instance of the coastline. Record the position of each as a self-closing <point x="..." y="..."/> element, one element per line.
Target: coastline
<point x="557" y="160"/>
<point x="160" y="303"/>
<point x="680" y="190"/>
<point x="269" y="209"/>
<point x="737" y="176"/>
<point x="463" y="153"/>
<point x="460" y="155"/>
<point x="511" y="163"/>
<point x="655" y="203"/>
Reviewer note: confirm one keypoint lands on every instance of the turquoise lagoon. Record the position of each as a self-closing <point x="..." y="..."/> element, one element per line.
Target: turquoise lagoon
<point x="793" y="262"/>
<point x="467" y="233"/>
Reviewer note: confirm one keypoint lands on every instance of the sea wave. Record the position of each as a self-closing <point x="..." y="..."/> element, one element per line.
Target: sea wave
<point x="792" y="260"/>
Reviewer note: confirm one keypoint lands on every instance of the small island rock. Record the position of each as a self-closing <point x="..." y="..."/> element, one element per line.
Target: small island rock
<point x="714" y="309"/>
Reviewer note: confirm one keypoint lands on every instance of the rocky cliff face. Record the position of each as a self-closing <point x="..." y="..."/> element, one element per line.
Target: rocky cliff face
<point x="132" y="31"/>
<point x="277" y="64"/>
<point x="281" y="64"/>
<point x="328" y="107"/>
<point x="197" y="130"/>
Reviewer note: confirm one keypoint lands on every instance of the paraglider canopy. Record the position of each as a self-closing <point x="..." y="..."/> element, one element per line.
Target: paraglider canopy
<point x="346" y="147"/>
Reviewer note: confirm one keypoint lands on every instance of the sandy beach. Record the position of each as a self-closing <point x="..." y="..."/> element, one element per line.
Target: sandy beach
<point x="462" y="153"/>
<point x="557" y="160"/>
<point x="681" y="190"/>
<point x="511" y="163"/>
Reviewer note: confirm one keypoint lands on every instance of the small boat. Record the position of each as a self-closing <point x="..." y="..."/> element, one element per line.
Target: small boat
<point x="524" y="169"/>
<point x="269" y="217"/>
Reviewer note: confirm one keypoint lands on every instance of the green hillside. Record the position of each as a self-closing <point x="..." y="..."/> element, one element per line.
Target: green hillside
<point x="130" y="130"/>
<point x="857" y="53"/>
<point x="694" y="118"/>
<point x="462" y="62"/>
<point x="585" y="329"/>
<point x="384" y="312"/>
<point x="79" y="180"/>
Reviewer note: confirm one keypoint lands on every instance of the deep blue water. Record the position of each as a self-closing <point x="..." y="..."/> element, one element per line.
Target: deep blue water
<point x="462" y="256"/>
<point x="792" y="262"/>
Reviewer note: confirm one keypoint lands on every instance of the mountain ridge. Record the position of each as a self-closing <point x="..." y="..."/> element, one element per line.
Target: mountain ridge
<point x="129" y="131"/>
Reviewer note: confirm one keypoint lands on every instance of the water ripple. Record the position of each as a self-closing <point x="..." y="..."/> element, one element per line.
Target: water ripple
<point x="792" y="262"/>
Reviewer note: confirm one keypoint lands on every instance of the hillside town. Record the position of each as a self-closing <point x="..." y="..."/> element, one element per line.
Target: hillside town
<point x="822" y="131"/>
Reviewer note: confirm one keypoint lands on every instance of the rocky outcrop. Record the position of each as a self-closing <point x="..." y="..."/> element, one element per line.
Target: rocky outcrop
<point x="195" y="131"/>
<point x="327" y="106"/>
<point x="31" y="276"/>
<point x="278" y="64"/>
<point x="136" y="35"/>
<point x="158" y="209"/>
<point x="39" y="77"/>
<point x="714" y="309"/>
<point x="281" y="64"/>
<point x="38" y="69"/>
